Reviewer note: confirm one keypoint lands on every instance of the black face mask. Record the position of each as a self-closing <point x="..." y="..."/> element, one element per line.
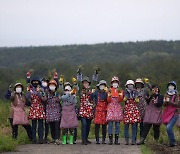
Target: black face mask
<point x="35" y="85"/>
<point x="139" y="85"/>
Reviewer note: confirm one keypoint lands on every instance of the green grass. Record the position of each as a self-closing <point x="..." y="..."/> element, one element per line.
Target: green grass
<point x="146" y="150"/>
<point x="9" y="144"/>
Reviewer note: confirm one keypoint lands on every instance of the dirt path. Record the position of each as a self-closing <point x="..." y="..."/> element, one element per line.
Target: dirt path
<point x="78" y="149"/>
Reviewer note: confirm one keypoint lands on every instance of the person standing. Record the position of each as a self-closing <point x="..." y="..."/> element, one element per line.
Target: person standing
<point x="131" y="112"/>
<point x="143" y="95"/>
<point x="170" y="113"/>
<point x="36" y="113"/>
<point x="100" y="96"/>
<point x="86" y="111"/>
<point x="19" y="116"/>
<point x="153" y="114"/>
<point x="53" y="111"/>
<point x="69" y="118"/>
<point x="114" y="109"/>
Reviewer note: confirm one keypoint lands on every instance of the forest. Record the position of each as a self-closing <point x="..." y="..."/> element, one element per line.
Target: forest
<point x="157" y="60"/>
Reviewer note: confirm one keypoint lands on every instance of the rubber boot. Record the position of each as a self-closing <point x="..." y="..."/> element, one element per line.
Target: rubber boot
<point x="88" y="142"/>
<point x="110" y="139"/>
<point x="84" y="142"/>
<point x="141" y="141"/>
<point x="41" y="141"/>
<point x="64" y="139"/>
<point x="116" y="139"/>
<point x="103" y="140"/>
<point x="97" y="140"/>
<point x="74" y="138"/>
<point x="57" y="142"/>
<point x="70" y="139"/>
<point x="126" y="141"/>
<point x="133" y="143"/>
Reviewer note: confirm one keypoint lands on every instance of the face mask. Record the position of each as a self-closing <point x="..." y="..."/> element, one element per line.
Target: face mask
<point x="171" y="88"/>
<point x="115" y="85"/>
<point x="18" y="90"/>
<point x="35" y="85"/>
<point x="130" y="87"/>
<point x="44" y="84"/>
<point x="138" y="85"/>
<point x="67" y="92"/>
<point x="101" y="87"/>
<point x="52" y="88"/>
<point x="68" y="88"/>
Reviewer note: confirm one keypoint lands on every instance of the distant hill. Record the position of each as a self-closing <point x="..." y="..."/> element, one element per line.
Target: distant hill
<point x="88" y="54"/>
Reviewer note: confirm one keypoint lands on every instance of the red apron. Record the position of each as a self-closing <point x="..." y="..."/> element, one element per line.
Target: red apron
<point x="101" y="112"/>
<point x="36" y="109"/>
<point x="131" y="113"/>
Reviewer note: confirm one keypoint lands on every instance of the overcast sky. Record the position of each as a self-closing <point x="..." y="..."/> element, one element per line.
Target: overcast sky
<point x="59" y="22"/>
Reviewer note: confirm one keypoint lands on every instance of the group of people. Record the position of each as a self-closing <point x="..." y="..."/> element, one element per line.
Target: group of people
<point x="59" y="105"/>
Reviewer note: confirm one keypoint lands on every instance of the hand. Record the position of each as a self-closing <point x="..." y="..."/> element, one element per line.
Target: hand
<point x="125" y="99"/>
<point x="61" y="79"/>
<point x="28" y="87"/>
<point x="79" y="71"/>
<point x="97" y="69"/>
<point x="38" y="89"/>
<point x="73" y="91"/>
<point x="55" y="75"/>
<point x="74" y="80"/>
<point x="106" y="89"/>
<point x="109" y="92"/>
<point x="154" y="100"/>
<point x="11" y="88"/>
<point x="80" y="67"/>
<point x="93" y="90"/>
<point x="146" y="80"/>
<point x="120" y="93"/>
<point x="28" y="74"/>
<point x="167" y="99"/>
<point x="137" y="100"/>
<point x="13" y="93"/>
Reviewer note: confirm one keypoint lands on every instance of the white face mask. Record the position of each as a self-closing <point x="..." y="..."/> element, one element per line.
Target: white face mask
<point x="171" y="88"/>
<point x="52" y="88"/>
<point x="44" y="84"/>
<point x="101" y="87"/>
<point x="68" y="88"/>
<point x="115" y="85"/>
<point x="130" y="87"/>
<point x="67" y="92"/>
<point x="19" y="90"/>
